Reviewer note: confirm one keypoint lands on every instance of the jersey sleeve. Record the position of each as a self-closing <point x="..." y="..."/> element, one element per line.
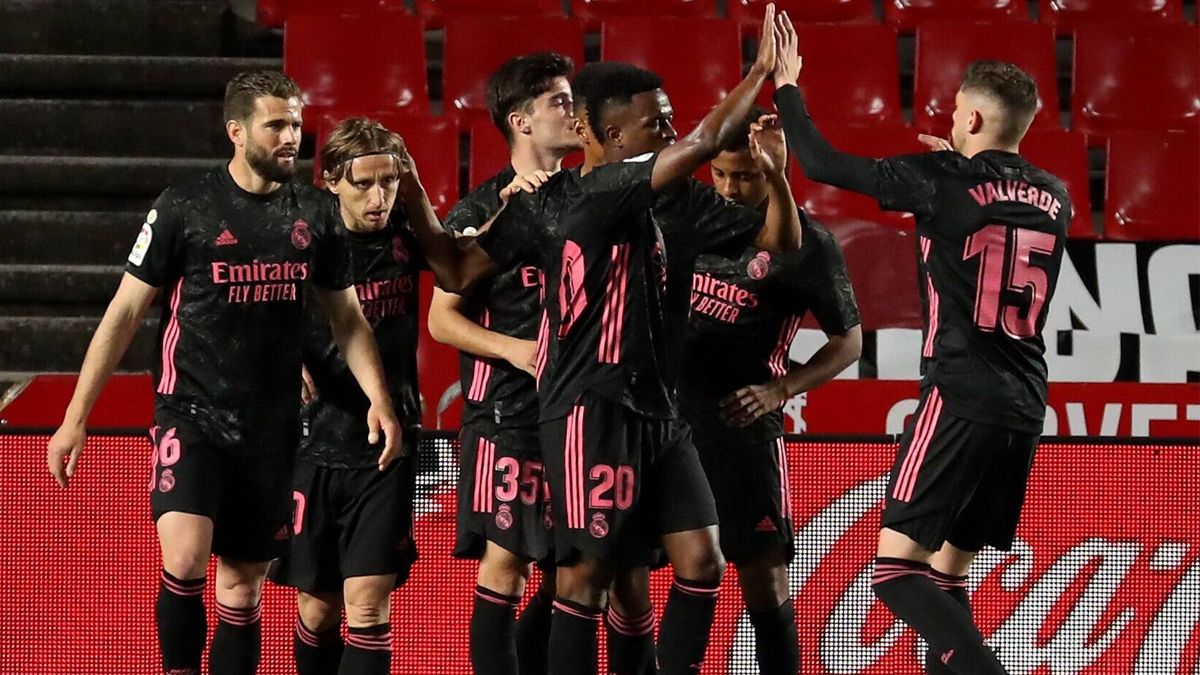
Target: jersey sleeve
<point x="514" y="233"/>
<point x="723" y="227"/>
<point x="828" y="289"/>
<point x="333" y="266"/>
<point x="466" y="214"/>
<point x="623" y="187"/>
<point x="907" y="182"/>
<point x="157" y="253"/>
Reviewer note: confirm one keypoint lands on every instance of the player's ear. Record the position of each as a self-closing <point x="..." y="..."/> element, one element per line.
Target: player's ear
<point x="236" y="132"/>
<point x="975" y="122"/>
<point x="518" y="123"/>
<point x="612" y="134"/>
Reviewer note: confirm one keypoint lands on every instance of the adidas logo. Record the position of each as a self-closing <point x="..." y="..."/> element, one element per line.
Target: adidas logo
<point x="226" y="238"/>
<point x="765" y="525"/>
<point x="947" y="656"/>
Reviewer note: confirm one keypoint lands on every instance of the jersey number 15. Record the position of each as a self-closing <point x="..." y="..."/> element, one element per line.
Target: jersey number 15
<point x="1000" y="270"/>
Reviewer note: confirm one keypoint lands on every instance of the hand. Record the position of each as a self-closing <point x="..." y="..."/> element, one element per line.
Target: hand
<point x="788" y="61"/>
<point x="764" y="61"/>
<point x="522" y="354"/>
<point x="308" y="388"/>
<point x="768" y="146"/>
<point x="934" y="143"/>
<point x="381" y="418"/>
<point x="408" y="178"/>
<point x="527" y="183"/>
<point x="747" y="404"/>
<point x="62" y="452"/>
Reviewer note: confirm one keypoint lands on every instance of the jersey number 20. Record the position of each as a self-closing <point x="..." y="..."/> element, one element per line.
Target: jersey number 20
<point x="1000" y="270"/>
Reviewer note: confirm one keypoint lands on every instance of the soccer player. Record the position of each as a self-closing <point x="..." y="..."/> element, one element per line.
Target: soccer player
<point x="234" y="247"/>
<point x="623" y="475"/>
<point x="624" y="113"/>
<point x="502" y="515"/>
<point x="990" y="234"/>
<point x="745" y="312"/>
<point x="352" y="533"/>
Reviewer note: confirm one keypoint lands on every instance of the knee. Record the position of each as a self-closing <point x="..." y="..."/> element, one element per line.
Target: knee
<point x="763" y="588"/>
<point x="185" y="564"/>
<point x="504" y="575"/>
<point x="584" y="583"/>
<point x="240" y="584"/>
<point x="702" y="565"/>
<point x="368" y="611"/>
<point x="318" y="615"/>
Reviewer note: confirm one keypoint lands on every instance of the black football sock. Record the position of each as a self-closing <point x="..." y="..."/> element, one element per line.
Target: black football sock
<point x="181" y="623"/>
<point x="905" y="587"/>
<point x="493" y="646"/>
<point x="316" y="653"/>
<point x="687" y="620"/>
<point x="956" y="588"/>
<point x="237" y="642"/>
<point x="776" y="647"/>
<point x="368" y="650"/>
<point x="573" y="638"/>
<point x="533" y="632"/>
<point x="630" y="643"/>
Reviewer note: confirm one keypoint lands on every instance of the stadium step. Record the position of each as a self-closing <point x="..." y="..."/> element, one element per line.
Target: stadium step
<point x="51" y="177"/>
<point x="107" y="75"/>
<point x="125" y="128"/>
<point x="67" y="237"/>
<point x="195" y="27"/>
<point x="57" y="344"/>
<point x="58" y="284"/>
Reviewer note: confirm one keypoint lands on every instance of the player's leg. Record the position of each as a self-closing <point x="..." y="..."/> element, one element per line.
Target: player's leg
<point x="533" y="626"/>
<point x="317" y="644"/>
<point x="368" y="619"/>
<point x="629" y="624"/>
<point x="185" y="540"/>
<point x="578" y="606"/>
<point x="498" y="590"/>
<point x="764" y="582"/>
<point x="238" y="639"/>
<point x="949" y="569"/>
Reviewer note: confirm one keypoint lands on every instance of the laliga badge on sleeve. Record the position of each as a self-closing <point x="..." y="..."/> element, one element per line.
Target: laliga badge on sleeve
<point x="138" y="254"/>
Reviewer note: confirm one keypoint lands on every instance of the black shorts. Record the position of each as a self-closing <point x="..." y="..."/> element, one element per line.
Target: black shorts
<point x="957" y="481"/>
<point x="349" y="523"/>
<point x="248" y="496"/>
<point x="618" y="482"/>
<point x="502" y="496"/>
<point x="750" y="485"/>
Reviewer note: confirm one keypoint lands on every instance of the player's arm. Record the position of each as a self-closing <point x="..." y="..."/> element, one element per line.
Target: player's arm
<point x="448" y="325"/>
<point x="781" y="227"/>
<point x="356" y="342"/>
<point x="109" y="343"/>
<point x="750" y="403"/>
<point x="683" y="158"/>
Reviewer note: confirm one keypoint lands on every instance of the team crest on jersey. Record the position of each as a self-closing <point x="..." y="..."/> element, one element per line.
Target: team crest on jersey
<point x="504" y="517"/>
<point x="301" y="235"/>
<point x="399" y="250"/>
<point x="166" y="482"/>
<point x="759" y="266"/>
<point x="599" y="526"/>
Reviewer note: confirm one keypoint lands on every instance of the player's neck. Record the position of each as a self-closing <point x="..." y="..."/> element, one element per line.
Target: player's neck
<point x="355" y="225"/>
<point x="527" y="158"/>
<point x="248" y="179"/>
<point x="970" y="149"/>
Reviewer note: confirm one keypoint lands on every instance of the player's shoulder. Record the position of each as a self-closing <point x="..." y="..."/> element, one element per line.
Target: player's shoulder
<point x="196" y="187"/>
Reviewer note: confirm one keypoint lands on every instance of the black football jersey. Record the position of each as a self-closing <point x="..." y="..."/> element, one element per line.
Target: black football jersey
<point x="990" y="236"/>
<point x="386" y="268"/>
<point x="745" y="313"/>
<point x="509" y="303"/>
<point x="234" y="266"/>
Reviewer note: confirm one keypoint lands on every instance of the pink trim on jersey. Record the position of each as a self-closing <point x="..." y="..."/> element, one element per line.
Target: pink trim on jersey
<point x="170" y="340"/>
<point x="778" y="361"/>
<point x="483" y="368"/>
<point x="573" y="463"/>
<point x="612" y="321"/>
<point x="922" y="435"/>
<point x="485" y="455"/>
<point x="933" y="298"/>
<point x="785" y="485"/>
<point x="543" y="347"/>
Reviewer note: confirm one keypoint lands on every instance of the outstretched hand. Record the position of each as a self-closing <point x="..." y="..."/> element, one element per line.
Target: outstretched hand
<point x="788" y="61"/>
<point x="764" y="62"/>
<point x="768" y="146"/>
<point x="935" y="143"/>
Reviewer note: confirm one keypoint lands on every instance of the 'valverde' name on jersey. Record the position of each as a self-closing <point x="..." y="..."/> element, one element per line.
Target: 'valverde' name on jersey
<point x="233" y="265"/>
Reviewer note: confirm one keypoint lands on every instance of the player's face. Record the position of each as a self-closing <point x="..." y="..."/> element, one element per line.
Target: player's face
<point x="738" y="178"/>
<point x="962" y="121"/>
<point x="367" y="191"/>
<point x="552" y="118"/>
<point x="645" y="124"/>
<point x="273" y="138"/>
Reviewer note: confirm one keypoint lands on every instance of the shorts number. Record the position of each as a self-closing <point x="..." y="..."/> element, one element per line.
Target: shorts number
<point x="622" y="479"/>
<point x="169" y="448"/>
<point x="529" y="485"/>
<point x="507" y="490"/>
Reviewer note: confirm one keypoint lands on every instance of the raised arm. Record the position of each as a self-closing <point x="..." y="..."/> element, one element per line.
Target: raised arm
<point x="781" y="227"/>
<point x="448" y="325"/>
<point x="819" y="160"/>
<point x="108" y="345"/>
<point x="689" y="153"/>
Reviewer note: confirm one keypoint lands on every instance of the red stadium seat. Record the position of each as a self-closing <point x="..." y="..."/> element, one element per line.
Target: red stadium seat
<point x="1151" y="191"/>
<point x="273" y="13"/>
<point x="472" y="51"/>
<point x="908" y="14"/>
<point x="1144" y="77"/>
<point x="945" y="49"/>
<point x="864" y="90"/>
<point x="358" y="64"/>
<point x="1066" y="15"/>
<point x="1064" y="154"/>
<point x="827" y="203"/>
<point x="435" y="11"/>
<point x="749" y="13"/>
<point x="592" y="12"/>
<point x="489" y="152"/>
<point x="699" y="59"/>
<point x="432" y="142"/>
